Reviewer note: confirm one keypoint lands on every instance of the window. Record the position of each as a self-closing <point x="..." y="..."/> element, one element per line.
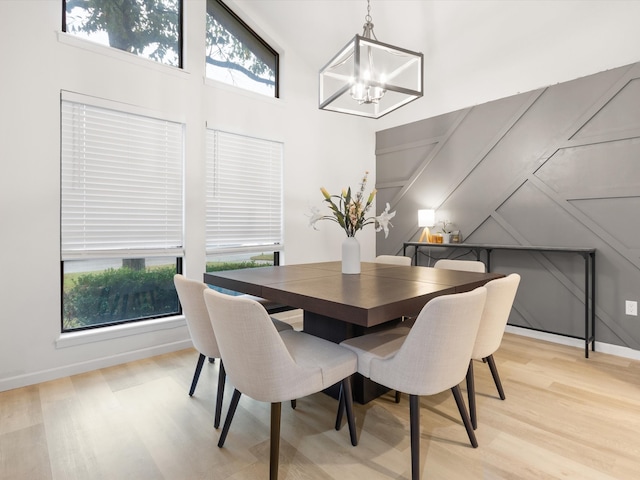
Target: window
<point x="244" y="201"/>
<point x="236" y="54"/>
<point x="148" y="28"/>
<point x="121" y="213"/>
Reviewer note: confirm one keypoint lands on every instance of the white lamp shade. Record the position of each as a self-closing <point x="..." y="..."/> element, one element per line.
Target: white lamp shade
<point x="426" y="218"/>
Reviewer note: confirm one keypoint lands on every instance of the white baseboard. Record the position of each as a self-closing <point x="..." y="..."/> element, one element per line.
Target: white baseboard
<point x="95" y="364"/>
<point x="617" y="350"/>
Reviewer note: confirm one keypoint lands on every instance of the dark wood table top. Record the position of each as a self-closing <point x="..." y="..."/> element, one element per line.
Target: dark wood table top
<point x="380" y="293"/>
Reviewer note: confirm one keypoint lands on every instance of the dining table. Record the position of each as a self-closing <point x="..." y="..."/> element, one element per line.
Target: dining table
<point x="338" y="306"/>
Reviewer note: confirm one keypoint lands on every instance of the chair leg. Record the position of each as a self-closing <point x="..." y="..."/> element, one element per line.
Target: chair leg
<point x="414" y="425"/>
<point x="347" y="399"/>
<point x="222" y="375"/>
<point x="212" y="360"/>
<point x="496" y="377"/>
<point x="196" y="375"/>
<point x="465" y="416"/>
<point x="398" y="395"/>
<point x="235" y="398"/>
<point x="471" y="394"/>
<point x="276" y="410"/>
<point x="294" y="404"/>
<point x="341" y="407"/>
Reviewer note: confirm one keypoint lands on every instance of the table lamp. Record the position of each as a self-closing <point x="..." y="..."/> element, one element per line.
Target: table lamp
<point x="426" y="219"/>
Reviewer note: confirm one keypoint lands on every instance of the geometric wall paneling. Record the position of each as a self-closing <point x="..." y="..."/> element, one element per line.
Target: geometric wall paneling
<point x="558" y="166"/>
<point x="538" y="220"/>
<point x="403" y="164"/>
<point x="623" y="226"/>
<point x="615" y="117"/>
<point x="578" y="172"/>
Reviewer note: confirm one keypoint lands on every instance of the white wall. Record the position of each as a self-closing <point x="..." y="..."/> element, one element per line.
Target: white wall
<point x="478" y="51"/>
<point x="320" y="149"/>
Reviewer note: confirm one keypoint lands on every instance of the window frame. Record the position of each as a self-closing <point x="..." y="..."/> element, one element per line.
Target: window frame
<point x="158" y="245"/>
<point x="180" y="45"/>
<point x="254" y="36"/>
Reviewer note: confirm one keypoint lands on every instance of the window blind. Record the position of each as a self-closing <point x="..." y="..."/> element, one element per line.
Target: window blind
<point x="121" y="183"/>
<point x="244" y="192"/>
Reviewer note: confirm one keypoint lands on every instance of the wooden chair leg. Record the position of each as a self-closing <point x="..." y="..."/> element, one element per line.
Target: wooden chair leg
<point x="496" y="377"/>
<point x="222" y="375"/>
<point x="414" y="422"/>
<point x="347" y="399"/>
<point x="471" y="395"/>
<point x="341" y="407"/>
<point x="235" y="398"/>
<point x="196" y="375"/>
<point x="276" y="410"/>
<point x="465" y="416"/>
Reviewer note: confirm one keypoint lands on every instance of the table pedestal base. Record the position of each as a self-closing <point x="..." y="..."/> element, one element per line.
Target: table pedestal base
<point x="364" y="390"/>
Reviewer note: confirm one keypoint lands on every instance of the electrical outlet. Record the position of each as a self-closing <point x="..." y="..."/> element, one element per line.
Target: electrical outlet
<point x="631" y="308"/>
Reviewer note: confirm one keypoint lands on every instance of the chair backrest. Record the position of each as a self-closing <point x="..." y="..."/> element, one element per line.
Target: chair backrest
<point x="500" y="295"/>
<point x="465" y="265"/>
<point x="196" y="314"/>
<point x="255" y="357"/>
<point x="436" y="354"/>
<point x="394" y="259"/>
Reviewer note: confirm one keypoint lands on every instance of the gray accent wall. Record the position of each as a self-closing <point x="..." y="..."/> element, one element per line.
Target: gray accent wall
<point x="558" y="166"/>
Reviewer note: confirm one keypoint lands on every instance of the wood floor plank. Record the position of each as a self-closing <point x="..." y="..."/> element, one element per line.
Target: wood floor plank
<point x="564" y="417"/>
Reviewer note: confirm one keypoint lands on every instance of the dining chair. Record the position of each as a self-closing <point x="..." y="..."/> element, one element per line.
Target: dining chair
<point x="393" y="259"/>
<point x="466" y="265"/>
<point x="500" y="296"/>
<point x="202" y="334"/>
<point x="431" y="357"/>
<point x="272" y="367"/>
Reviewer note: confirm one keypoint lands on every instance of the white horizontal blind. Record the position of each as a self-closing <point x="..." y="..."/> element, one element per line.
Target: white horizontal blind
<point x="244" y="192"/>
<point x="121" y="183"/>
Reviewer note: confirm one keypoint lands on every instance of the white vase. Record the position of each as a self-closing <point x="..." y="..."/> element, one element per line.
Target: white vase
<point x="350" y="255"/>
<point x="446" y="238"/>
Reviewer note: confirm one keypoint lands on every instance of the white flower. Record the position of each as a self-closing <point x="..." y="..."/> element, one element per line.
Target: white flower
<point x="383" y="220"/>
<point x="314" y="217"/>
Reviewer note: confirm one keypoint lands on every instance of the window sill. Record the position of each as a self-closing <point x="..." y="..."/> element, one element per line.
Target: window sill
<point x="91" y="46"/>
<point x="72" y="339"/>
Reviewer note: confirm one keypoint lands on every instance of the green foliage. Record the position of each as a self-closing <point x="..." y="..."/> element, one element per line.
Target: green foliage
<point x="119" y="294"/>
<point x="226" y="49"/>
<point x="152" y="26"/>
<point x="222" y="266"/>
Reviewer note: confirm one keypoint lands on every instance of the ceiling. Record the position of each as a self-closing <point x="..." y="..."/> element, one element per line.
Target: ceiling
<point x="317" y="29"/>
<point x="474" y="50"/>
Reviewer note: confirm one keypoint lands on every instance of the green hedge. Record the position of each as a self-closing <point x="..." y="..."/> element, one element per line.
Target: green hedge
<point x="119" y="294"/>
<point x="222" y="266"/>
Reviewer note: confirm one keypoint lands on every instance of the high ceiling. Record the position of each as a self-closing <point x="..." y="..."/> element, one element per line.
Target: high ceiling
<point x="474" y="50"/>
<point x="317" y="29"/>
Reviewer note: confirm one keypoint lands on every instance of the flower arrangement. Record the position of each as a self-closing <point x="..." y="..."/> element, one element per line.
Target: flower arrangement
<point x="447" y="226"/>
<point x="350" y="211"/>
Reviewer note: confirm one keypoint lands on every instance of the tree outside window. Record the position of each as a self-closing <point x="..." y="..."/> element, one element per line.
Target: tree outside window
<point x="236" y="55"/>
<point x="148" y="28"/>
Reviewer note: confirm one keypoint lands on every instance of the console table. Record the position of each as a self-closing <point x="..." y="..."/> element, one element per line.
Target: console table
<point x="588" y="254"/>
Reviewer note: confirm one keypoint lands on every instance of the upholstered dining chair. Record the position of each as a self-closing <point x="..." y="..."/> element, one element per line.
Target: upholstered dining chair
<point x="393" y="259"/>
<point x="272" y="367"/>
<point x="202" y="334"/>
<point x="431" y="357"/>
<point x="500" y="296"/>
<point x="466" y="265"/>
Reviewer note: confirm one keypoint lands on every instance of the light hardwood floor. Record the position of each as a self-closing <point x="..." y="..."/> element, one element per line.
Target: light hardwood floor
<point x="564" y="417"/>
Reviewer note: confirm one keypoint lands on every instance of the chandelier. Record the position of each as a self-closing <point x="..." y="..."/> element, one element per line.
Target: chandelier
<point x="370" y="78"/>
